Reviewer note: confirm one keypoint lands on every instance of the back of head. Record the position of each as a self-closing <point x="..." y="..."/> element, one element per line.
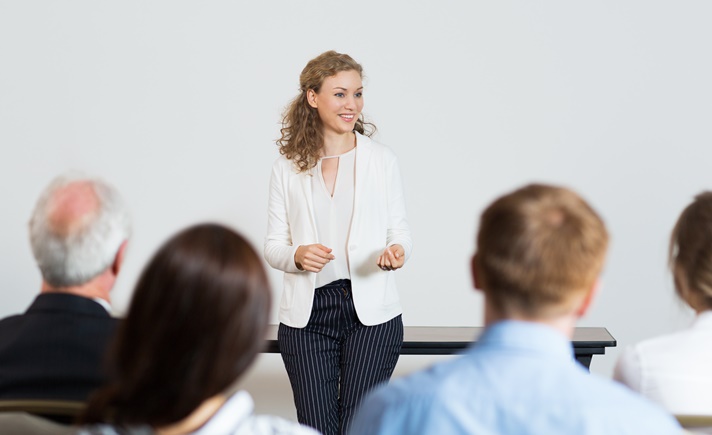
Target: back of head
<point x="691" y="253"/>
<point x="537" y="249"/>
<point x="76" y="229"/>
<point x="196" y="321"/>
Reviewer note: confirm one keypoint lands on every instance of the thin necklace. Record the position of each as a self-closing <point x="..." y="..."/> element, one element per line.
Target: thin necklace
<point x="347" y="151"/>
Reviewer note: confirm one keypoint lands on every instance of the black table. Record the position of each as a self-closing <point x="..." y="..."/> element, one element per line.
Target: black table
<point x="447" y="340"/>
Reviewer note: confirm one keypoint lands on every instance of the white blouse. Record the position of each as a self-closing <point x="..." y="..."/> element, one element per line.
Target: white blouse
<point x="333" y="216"/>
<point x="674" y="370"/>
<point x="235" y="417"/>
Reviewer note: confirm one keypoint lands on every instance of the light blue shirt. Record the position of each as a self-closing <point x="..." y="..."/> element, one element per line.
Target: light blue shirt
<point x="520" y="378"/>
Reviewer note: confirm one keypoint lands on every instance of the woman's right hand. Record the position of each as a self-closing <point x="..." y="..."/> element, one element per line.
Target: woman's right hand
<point x="312" y="258"/>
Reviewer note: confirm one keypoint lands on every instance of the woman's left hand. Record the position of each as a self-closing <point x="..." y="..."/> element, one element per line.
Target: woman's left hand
<point x="392" y="258"/>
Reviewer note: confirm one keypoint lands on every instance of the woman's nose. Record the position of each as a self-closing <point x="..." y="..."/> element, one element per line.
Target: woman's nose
<point x="350" y="103"/>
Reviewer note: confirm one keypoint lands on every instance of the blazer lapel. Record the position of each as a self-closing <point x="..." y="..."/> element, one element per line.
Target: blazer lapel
<point x="306" y="183"/>
<point x="363" y="159"/>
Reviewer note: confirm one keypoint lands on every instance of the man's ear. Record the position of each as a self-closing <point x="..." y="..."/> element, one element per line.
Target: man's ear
<point x="119" y="258"/>
<point x="311" y="98"/>
<point x="588" y="299"/>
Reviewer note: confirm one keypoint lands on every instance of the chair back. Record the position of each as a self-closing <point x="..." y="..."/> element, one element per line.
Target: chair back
<point x="696" y="424"/>
<point x="61" y="411"/>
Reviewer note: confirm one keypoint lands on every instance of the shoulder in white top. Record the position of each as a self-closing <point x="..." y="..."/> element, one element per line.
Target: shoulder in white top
<point x="674" y="370"/>
<point x="235" y="417"/>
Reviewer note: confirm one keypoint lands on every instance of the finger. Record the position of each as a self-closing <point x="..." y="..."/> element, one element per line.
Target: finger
<point x="314" y="267"/>
<point x="318" y="253"/>
<point x="381" y="263"/>
<point x="397" y="261"/>
<point x="324" y="253"/>
<point x="317" y="261"/>
<point x="324" y="249"/>
<point x="310" y="268"/>
<point x="392" y="256"/>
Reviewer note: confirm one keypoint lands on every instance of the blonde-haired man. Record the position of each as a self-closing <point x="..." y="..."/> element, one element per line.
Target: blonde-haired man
<point x="540" y="250"/>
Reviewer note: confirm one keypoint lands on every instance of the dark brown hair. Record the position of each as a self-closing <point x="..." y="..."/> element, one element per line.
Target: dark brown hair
<point x="537" y="247"/>
<point x="196" y="322"/>
<point x="691" y="253"/>
<point x="302" y="131"/>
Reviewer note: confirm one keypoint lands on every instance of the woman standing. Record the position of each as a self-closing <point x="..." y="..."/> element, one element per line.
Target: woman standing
<point x="337" y="228"/>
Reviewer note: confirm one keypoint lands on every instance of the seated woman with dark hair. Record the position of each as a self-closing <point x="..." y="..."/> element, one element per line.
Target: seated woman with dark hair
<point x="674" y="369"/>
<point x="195" y="324"/>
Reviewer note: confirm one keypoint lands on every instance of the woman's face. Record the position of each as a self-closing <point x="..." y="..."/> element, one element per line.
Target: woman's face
<point x="339" y="101"/>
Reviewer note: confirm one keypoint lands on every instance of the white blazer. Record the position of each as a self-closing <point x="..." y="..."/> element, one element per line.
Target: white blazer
<point x="379" y="220"/>
<point x="674" y="370"/>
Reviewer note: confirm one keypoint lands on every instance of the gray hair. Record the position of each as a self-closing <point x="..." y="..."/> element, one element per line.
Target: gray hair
<point x="88" y="249"/>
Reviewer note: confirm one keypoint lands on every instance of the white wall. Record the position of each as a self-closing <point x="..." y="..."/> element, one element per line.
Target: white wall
<point x="178" y="103"/>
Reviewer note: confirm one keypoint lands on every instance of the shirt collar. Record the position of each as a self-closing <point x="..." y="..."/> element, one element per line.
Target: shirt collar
<point x="104" y="303"/>
<point x="530" y="336"/>
<point x="235" y="410"/>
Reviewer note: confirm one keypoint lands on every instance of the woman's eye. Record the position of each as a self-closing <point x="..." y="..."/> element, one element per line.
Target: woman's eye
<point x="339" y="94"/>
<point x="358" y="94"/>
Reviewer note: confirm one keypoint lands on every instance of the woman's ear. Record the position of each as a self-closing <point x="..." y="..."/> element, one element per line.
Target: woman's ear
<point x="476" y="275"/>
<point x="311" y="98"/>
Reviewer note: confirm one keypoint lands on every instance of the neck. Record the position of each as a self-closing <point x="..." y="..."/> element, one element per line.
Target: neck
<point x="564" y="323"/>
<point x="338" y="143"/>
<point x="98" y="287"/>
<point x="196" y="419"/>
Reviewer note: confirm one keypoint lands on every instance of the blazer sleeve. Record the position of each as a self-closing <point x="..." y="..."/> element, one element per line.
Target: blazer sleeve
<point x="398" y="231"/>
<point x="278" y="248"/>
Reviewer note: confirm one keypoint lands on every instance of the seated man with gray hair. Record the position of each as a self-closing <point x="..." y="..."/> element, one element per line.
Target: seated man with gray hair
<point x="55" y="350"/>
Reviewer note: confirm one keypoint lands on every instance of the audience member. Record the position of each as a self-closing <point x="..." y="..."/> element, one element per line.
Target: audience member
<point x="78" y="231"/>
<point x="196" y="322"/>
<point x="540" y="250"/>
<point x="674" y="369"/>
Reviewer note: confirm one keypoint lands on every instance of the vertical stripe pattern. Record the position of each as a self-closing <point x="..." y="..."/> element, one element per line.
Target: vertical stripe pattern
<point x="335" y="360"/>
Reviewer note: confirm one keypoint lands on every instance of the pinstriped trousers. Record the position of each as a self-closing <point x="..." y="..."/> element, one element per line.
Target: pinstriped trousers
<point x="335" y="360"/>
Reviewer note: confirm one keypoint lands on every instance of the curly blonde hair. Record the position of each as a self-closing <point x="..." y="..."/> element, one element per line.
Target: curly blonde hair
<point x="302" y="131"/>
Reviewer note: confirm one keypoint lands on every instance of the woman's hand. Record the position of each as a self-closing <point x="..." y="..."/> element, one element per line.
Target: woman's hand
<point x="312" y="258"/>
<point x="392" y="258"/>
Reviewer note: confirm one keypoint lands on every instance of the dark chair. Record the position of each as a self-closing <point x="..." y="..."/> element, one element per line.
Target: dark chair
<point x="60" y="411"/>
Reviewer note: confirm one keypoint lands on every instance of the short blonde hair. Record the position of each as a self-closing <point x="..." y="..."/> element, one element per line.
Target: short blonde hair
<point x="537" y="247"/>
<point x="691" y="253"/>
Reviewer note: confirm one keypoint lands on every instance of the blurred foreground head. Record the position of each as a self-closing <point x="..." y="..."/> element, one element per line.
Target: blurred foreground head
<point x="691" y="253"/>
<point x="196" y="322"/>
<point x="77" y="229"/>
<point x="540" y="250"/>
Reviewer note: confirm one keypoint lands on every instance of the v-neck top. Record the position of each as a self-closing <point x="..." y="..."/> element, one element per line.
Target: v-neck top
<point x="333" y="215"/>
